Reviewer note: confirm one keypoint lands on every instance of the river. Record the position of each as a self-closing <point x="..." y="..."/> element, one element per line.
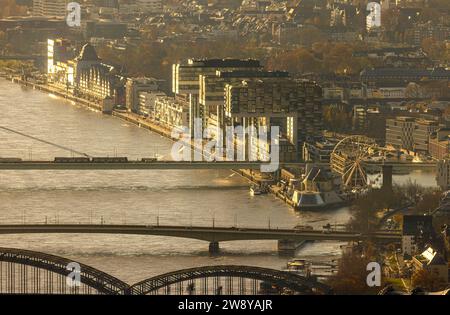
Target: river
<point x="174" y="196"/>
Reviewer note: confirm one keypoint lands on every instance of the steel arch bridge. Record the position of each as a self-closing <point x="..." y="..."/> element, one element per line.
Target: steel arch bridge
<point x="227" y="279"/>
<point x="30" y="272"/>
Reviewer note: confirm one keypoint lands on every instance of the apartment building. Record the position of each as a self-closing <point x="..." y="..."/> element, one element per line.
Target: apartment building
<point x="171" y="112"/>
<point x="147" y="102"/>
<point x="134" y="86"/>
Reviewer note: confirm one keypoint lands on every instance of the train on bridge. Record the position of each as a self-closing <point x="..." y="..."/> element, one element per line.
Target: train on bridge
<point x="84" y="160"/>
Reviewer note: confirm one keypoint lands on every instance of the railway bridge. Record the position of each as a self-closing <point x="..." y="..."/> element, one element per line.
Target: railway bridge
<point x="30" y="272"/>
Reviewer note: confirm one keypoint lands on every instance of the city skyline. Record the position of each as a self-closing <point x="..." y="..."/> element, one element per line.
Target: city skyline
<point x="254" y="147"/>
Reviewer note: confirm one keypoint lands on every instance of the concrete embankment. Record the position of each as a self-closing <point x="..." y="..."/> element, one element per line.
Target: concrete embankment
<point x="58" y="92"/>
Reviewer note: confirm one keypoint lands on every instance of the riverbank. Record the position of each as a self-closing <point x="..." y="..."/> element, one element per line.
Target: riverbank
<point x="52" y="90"/>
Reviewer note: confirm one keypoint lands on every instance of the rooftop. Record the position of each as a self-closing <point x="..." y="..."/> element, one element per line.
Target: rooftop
<point x="417" y="224"/>
<point x="88" y="53"/>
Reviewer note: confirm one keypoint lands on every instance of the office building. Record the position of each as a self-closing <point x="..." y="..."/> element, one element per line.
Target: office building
<point x="186" y="80"/>
<point x="421" y="134"/>
<point x="294" y="106"/>
<point x="399" y="132"/>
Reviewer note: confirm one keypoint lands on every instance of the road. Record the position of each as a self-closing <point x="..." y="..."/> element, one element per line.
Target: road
<point x="210" y="234"/>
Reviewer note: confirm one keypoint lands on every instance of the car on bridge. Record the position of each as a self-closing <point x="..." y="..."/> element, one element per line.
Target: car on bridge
<point x="302" y="228"/>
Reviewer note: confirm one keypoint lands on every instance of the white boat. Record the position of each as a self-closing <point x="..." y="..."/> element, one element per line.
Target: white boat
<point x="299" y="266"/>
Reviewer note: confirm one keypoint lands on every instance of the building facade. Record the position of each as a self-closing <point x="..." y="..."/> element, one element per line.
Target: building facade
<point x="443" y="174"/>
<point x="421" y="134"/>
<point x="439" y="143"/>
<point x="417" y="231"/>
<point x="133" y="87"/>
<point x="51" y="8"/>
<point x="172" y="112"/>
<point x="399" y="132"/>
<point x="294" y="106"/>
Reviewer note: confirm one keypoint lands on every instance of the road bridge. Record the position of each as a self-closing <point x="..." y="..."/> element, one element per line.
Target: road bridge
<point x="213" y="235"/>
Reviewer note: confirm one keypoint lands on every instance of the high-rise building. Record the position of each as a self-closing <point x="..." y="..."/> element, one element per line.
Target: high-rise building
<point x="54" y="8"/>
<point x="212" y="89"/>
<point x="293" y="105"/>
<point x="186" y="80"/>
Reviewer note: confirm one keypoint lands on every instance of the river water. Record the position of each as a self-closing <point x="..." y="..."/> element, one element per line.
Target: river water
<point x="174" y="196"/>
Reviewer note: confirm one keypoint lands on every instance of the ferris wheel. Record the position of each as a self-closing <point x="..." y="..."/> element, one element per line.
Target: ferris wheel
<point x="347" y="159"/>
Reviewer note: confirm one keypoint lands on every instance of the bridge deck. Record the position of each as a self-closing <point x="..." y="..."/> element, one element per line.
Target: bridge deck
<point x="210" y="234"/>
<point x="167" y="165"/>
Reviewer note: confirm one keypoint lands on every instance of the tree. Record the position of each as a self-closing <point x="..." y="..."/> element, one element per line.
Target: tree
<point x="428" y="280"/>
<point x="428" y="202"/>
<point x="351" y="277"/>
<point x="364" y="210"/>
<point x="10" y="8"/>
<point x="337" y="118"/>
<point x="435" y="49"/>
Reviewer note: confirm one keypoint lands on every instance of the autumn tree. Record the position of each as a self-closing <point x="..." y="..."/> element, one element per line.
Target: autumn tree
<point x="337" y="119"/>
<point x="435" y="49"/>
<point x="429" y="201"/>
<point x="10" y="8"/>
<point x="428" y="280"/>
<point x="351" y="277"/>
<point x="364" y="210"/>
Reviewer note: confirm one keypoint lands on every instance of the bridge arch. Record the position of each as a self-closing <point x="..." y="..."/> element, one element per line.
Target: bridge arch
<point x="221" y="281"/>
<point x="24" y="271"/>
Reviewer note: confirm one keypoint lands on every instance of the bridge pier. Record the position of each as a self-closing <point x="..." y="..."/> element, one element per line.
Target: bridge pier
<point x="214" y="248"/>
<point x="288" y="247"/>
